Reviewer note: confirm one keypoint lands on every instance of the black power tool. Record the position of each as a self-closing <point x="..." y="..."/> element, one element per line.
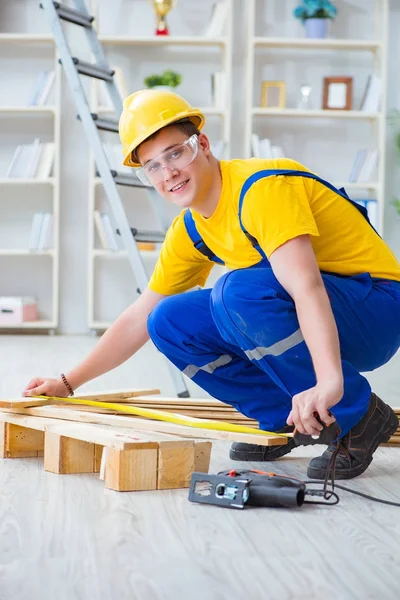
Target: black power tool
<point x="234" y="489"/>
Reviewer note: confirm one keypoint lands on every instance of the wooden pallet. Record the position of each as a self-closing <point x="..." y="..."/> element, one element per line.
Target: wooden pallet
<point x="127" y="460"/>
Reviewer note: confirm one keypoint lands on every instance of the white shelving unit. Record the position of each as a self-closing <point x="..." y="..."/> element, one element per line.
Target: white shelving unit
<point x="34" y="273"/>
<point x="290" y="49"/>
<point x="159" y="52"/>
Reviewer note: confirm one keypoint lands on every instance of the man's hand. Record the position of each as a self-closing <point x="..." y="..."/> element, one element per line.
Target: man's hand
<point x="314" y="401"/>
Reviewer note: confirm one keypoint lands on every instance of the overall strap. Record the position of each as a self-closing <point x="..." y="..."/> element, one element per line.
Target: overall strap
<point x="270" y="172"/>
<point x="197" y="239"/>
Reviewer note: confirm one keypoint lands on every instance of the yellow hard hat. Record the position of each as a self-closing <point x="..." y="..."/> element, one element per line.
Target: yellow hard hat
<point x="148" y="111"/>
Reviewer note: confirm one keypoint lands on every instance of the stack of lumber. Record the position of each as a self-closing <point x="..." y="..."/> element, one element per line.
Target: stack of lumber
<point x="130" y="452"/>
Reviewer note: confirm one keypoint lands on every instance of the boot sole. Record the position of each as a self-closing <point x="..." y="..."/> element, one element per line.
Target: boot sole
<point x="314" y="473"/>
<point x="270" y="453"/>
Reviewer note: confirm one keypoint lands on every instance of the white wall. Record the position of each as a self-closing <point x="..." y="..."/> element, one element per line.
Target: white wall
<point x="124" y="16"/>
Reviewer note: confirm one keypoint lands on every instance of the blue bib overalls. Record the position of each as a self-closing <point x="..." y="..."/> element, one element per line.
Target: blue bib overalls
<point x="241" y="341"/>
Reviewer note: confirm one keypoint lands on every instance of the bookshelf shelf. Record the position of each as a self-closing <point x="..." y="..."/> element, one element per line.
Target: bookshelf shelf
<point x="102" y="253"/>
<point x="28" y="109"/>
<point x="314" y="114"/>
<point x="32" y="325"/>
<point x="23" y="252"/>
<point x="26" y="38"/>
<point x="164" y="41"/>
<point x="31" y="181"/>
<point x="317" y="44"/>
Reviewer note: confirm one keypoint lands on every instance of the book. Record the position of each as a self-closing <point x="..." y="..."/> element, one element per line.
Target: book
<point x="218" y="19"/>
<point x="101" y="232"/>
<point x="35" y="230"/>
<point x="218" y="89"/>
<point x="46" y="161"/>
<point x="109" y="232"/>
<point x="44" y="240"/>
<point x="371" y="100"/>
<point x="364" y="166"/>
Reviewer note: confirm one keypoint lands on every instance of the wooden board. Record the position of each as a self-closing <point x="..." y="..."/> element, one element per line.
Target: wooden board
<point x="114" y="396"/>
<point x="136" y="424"/>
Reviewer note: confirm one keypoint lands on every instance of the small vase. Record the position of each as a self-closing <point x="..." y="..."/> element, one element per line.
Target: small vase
<point x="316" y="28"/>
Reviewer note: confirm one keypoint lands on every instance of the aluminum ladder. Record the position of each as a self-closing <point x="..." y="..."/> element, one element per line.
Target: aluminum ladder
<point x="92" y="124"/>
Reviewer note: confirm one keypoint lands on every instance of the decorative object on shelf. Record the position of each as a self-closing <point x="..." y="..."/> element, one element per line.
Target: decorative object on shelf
<point x="337" y="93"/>
<point x="315" y="15"/>
<point x="305" y="100"/>
<point x="162" y="8"/>
<point x="273" y="94"/>
<point x="167" y="80"/>
<point x="15" y="310"/>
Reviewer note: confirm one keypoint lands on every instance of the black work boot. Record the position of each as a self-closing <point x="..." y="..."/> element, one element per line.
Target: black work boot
<point x="256" y="453"/>
<point x="358" y="445"/>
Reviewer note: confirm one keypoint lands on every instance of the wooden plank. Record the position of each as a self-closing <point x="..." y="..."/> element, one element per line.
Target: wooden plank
<point x="118" y="395"/>
<point x="64" y="455"/>
<point x="202" y="456"/>
<point x="93" y="433"/>
<point x="176" y="461"/>
<point x="110" y="396"/>
<point x="25" y="402"/>
<point x="155" y="426"/>
<point x="20" y="442"/>
<point x="3" y="449"/>
<point x="98" y="453"/>
<point x="131" y="470"/>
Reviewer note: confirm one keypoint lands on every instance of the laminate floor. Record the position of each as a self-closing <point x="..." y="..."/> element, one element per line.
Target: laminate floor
<point x="66" y="538"/>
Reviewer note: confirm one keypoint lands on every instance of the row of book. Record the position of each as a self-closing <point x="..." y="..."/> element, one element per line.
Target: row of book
<point x="262" y="148"/>
<point x="41" y="231"/>
<point x="371" y="101"/>
<point x="105" y="231"/>
<point x="32" y="160"/>
<point x="364" y="166"/>
<point x="372" y="208"/>
<point x="42" y="88"/>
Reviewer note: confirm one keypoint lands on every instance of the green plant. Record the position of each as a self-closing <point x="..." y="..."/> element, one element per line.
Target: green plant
<point x="169" y="78"/>
<point x="394" y="120"/>
<point x="315" y="9"/>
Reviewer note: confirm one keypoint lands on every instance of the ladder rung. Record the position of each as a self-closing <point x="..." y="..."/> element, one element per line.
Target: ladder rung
<point x="128" y="180"/>
<point x="73" y="16"/>
<point x="91" y="70"/>
<point x="105" y="124"/>
<point x="156" y="237"/>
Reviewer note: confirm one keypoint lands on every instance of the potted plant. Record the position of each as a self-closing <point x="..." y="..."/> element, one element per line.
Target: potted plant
<point x="315" y="15"/>
<point x="167" y="80"/>
<point x="394" y="119"/>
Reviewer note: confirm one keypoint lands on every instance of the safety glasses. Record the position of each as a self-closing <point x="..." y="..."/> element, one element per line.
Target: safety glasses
<point x="176" y="158"/>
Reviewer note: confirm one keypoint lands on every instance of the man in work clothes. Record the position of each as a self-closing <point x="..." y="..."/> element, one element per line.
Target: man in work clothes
<point x="311" y="298"/>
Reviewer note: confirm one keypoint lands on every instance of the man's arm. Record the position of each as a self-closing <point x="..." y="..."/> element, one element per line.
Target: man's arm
<point x="125" y="337"/>
<point x="295" y="266"/>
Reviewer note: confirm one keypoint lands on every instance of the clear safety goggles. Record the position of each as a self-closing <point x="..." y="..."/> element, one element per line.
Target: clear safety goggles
<point x="176" y="158"/>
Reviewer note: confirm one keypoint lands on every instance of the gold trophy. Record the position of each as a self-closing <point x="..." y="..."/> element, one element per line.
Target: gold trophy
<point x="162" y="8"/>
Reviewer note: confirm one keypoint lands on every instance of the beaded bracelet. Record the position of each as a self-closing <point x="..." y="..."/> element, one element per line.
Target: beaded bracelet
<point x="67" y="385"/>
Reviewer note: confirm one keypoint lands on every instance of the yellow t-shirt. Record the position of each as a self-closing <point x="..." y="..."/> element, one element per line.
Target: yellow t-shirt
<point x="275" y="210"/>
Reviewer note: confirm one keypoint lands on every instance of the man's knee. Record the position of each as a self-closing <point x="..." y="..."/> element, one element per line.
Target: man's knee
<point x="239" y="295"/>
<point x="160" y="317"/>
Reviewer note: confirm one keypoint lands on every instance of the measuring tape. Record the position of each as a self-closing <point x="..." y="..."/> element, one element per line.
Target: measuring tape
<point x="161" y="415"/>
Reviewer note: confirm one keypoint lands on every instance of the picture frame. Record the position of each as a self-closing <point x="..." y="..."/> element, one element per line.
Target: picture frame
<point x="273" y="94"/>
<point x="337" y="93"/>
